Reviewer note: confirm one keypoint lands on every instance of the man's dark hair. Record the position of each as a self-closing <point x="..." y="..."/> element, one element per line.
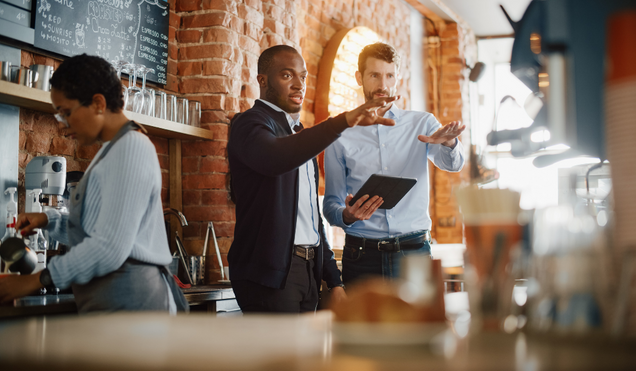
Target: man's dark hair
<point x="381" y="51"/>
<point x="267" y="57"/>
<point x="82" y="76"/>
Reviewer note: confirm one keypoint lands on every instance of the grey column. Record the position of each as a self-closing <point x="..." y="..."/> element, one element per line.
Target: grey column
<point x="9" y="139"/>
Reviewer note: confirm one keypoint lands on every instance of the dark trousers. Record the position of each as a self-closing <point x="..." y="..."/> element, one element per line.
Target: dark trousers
<point x="360" y="262"/>
<point x="299" y="295"/>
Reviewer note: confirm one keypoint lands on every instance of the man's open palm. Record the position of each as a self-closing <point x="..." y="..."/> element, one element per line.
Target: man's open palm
<point x="445" y="135"/>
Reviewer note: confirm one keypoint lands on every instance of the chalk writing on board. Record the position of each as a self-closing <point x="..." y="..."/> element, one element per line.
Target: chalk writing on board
<point x="131" y="30"/>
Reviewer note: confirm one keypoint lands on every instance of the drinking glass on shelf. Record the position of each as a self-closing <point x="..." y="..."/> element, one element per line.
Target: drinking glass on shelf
<point x="118" y="65"/>
<point x="134" y="98"/>
<point x="195" y="114"/>
<point x="147" y="107"/>
<point x="171" y="107"/>
<point x="182" y="111"/>
<point x="161" y="103"/>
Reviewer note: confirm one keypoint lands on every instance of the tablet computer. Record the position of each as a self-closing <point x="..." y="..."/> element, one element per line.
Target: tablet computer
<point x="391" y="188"/>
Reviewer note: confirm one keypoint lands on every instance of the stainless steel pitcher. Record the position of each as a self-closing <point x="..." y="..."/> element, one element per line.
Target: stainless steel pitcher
<point x="24" y="76"/>
<point x="44" y="74"/>
<point x="5" y="71"/>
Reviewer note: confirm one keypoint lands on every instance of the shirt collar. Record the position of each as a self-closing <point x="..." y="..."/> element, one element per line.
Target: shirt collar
<point x="290" y="120"/>
<point x="394" y="111"/>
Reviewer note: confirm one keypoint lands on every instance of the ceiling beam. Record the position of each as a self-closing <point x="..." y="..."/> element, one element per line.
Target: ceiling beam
<point x="438" y="12"/>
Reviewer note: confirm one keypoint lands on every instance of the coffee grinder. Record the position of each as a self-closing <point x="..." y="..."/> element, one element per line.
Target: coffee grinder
<point x="48" y="174"/>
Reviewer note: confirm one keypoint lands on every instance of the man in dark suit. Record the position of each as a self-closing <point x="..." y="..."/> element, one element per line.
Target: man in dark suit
<point x="280" y="254"/>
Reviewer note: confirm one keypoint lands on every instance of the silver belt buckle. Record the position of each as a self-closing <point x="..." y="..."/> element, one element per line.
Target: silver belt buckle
<point x="306" y="252"/>
<point x="382" y="243"/>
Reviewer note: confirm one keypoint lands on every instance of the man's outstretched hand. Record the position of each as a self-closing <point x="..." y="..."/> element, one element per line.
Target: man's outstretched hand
<point x="446" y="135"/>
<point x="371" y="113"/>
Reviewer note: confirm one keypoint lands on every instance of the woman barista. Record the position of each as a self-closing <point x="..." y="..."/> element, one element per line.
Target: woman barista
<point x="115" y="226"/>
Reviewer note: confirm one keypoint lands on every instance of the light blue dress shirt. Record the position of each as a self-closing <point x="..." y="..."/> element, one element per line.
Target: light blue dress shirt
<point x="387" y="150"/>
<point x="307" y="218"/>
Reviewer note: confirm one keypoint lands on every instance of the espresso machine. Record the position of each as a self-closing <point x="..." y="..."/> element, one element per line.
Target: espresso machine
<point x="48" y="174"/>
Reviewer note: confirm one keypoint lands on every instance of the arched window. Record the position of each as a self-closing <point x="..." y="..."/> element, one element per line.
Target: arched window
<point x="336" y="88"/>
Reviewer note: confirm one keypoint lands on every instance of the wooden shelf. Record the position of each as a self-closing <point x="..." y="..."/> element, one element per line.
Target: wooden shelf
<point x="39" y="100"/>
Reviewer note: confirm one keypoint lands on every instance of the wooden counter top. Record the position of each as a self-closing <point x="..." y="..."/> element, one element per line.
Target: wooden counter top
<point x="149" y="341"/>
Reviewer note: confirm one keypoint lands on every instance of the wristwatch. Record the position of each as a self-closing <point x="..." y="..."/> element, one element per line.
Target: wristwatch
<point x="340" y="285"/>
<point x="45" y="279"/>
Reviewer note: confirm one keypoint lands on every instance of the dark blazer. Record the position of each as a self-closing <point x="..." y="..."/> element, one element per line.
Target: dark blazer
<point x="264" y="158"/>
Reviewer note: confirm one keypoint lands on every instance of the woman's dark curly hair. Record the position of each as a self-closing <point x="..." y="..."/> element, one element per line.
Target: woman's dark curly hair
<point x="82" y="76"/>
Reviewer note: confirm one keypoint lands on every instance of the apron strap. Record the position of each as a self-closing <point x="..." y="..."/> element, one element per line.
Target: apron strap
<point x="83" y="183"/>
<point x="177" y="294"/>
<point x="129" y="126"/>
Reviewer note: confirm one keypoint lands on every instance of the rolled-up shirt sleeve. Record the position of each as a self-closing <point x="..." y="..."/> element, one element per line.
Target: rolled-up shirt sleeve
<point x="57" y="225"/>
<point x="445" y="158"/>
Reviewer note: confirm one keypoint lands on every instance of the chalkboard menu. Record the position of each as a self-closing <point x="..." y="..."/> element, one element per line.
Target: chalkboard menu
<point x="132" y="30"/>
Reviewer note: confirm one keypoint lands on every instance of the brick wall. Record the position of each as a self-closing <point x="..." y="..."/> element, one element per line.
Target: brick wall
<point x="446" y="59"/>
<point x="213" y="59"/>
<point x="213" y="51"/>
<point x="217" y="47"/>
<point x="320" y="20"/>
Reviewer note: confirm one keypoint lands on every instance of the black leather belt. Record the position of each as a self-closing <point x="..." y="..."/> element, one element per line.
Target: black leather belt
<point x="304" y="252"/>
<point x="410" y="241"/>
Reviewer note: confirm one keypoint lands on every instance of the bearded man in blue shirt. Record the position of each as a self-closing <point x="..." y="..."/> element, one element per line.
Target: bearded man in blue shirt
<point x="376" y="239"/>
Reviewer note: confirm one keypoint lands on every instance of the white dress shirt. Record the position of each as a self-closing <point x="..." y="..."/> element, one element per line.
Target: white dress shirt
<point x="307" y="217"/>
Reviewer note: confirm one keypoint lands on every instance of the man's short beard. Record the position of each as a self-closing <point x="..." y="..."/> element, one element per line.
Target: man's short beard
<point x="272" y="96"/>
<point x="369" y="95"/>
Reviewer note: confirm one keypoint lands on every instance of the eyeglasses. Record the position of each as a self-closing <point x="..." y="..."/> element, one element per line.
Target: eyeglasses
<point x="61" y="117"/>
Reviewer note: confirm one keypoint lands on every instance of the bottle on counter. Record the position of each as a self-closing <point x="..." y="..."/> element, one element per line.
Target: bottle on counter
<point x="36" y="241"/>
<point x="11" y="218"/>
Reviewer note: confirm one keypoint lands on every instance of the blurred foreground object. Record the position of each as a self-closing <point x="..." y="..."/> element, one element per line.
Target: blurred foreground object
<point x="559" y="51"/>
<point x="569" y="284"/>
<point x="492" y="233"/>
<point x="620" y="120"/>
<point x="409" y="310"/>
<point x="418" y="297"/>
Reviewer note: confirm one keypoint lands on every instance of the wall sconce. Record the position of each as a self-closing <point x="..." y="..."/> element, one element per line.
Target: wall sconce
<point x="476" y="72"/>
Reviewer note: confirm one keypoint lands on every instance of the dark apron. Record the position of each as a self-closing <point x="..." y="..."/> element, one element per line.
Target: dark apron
<point x="135" y="286"/>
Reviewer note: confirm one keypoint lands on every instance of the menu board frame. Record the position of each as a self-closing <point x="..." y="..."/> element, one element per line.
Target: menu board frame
<point x="131" y="30"/>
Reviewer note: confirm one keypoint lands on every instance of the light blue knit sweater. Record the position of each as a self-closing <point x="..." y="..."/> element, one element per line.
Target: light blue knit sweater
<point x="122" y="215"/>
